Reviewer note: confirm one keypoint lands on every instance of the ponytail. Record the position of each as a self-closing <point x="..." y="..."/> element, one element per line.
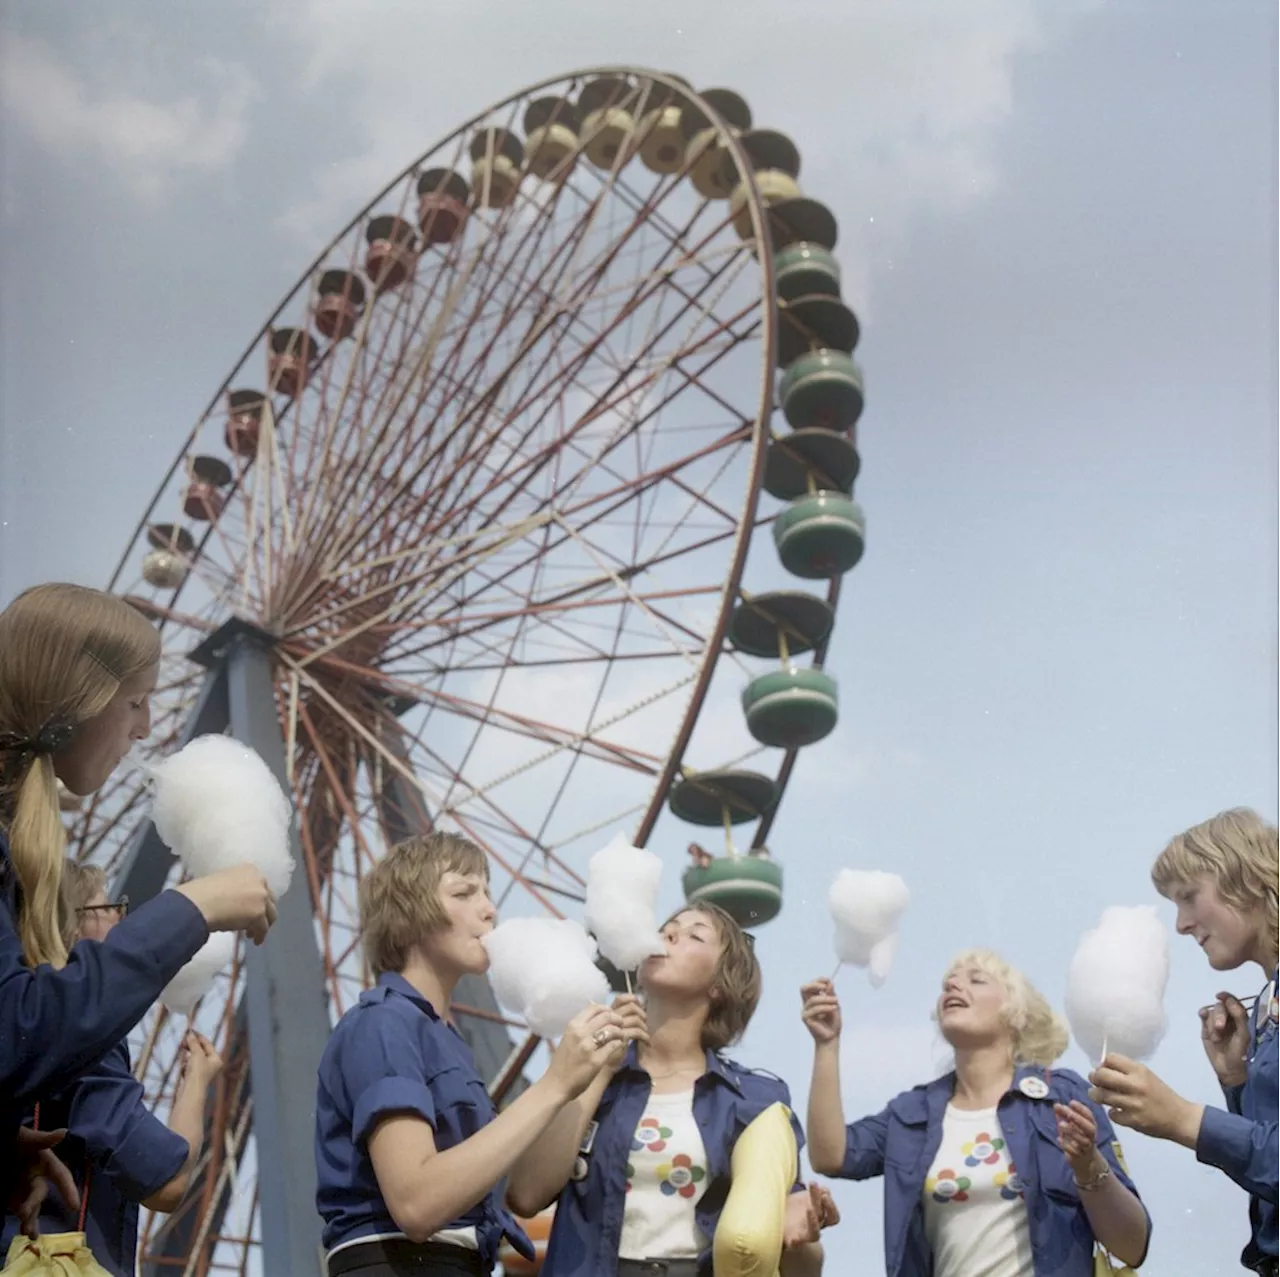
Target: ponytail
<point x="37" y="847"/>
<point x="64" y="652"/>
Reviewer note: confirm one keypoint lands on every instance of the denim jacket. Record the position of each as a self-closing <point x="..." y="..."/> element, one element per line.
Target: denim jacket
<point x="901" y="1142"/>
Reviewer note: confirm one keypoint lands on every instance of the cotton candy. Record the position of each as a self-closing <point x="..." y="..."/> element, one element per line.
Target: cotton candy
<point x="543" y="969"/>
<point x="865" y="906"/>
<point x="622" y="896"/>
<point x="218" y="805"/>
<point x="182" y="993"/>
<point x="1116" y="983"/>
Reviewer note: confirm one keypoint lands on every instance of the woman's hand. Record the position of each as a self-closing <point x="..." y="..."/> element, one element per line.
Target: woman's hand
<point x="1078" y="1139"/>
<point x="38" y="1170"/>
<point x="1135" y="1097"/>
<point x="587" y="1044"/>
<point x="201" y="1062"/>
<point x="808" y="1213"/>
<point x="821" y="1011"/>
<point x="1224" y="1030"/>
<point x="634" y="1025"/>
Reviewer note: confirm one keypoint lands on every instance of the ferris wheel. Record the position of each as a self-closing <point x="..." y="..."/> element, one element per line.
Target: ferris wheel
<point x="499" y="502"/>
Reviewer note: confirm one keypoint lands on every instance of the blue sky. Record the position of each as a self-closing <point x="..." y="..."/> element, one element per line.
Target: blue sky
<point x="1059" y="230"/>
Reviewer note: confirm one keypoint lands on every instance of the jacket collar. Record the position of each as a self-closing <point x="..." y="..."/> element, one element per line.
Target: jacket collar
<point x="717" y="1067"/>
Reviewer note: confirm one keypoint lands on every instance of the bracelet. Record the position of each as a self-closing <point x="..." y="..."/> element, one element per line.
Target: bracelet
<point x="1095" y="1182"/>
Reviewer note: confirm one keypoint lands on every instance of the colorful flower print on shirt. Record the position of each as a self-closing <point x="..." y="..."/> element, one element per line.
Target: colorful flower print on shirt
<point x="631" y="1174"/>
<point x="983" y="1149"/>
<point x="948" y="1187"/>
<point x="680" y="1175"/>
<point x="1009" y="1183"/>
<point x="651" y="1135"/>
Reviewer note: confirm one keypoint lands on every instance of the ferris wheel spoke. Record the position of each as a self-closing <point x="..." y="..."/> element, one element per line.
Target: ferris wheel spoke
<point x="537" y="326"/>
<point x="650" y="413"/>
<point x="622" y="495"/>
<point x="448" y="356"/>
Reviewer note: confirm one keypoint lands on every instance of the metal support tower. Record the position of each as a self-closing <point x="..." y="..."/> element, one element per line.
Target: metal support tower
<point x="284" y="1002"/>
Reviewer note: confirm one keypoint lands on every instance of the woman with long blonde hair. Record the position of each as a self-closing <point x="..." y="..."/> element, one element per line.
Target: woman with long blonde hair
<point x="77" y="667"/>
<point x="1001" y="1166"/>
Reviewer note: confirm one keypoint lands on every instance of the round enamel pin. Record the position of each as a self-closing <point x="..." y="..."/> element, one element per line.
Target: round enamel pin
<point x="1034" y="1088"/>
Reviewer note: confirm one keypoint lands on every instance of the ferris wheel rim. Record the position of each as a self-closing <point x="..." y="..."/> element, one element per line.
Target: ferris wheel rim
<point x="725" y="136"/>
<point x="767" y="339"/>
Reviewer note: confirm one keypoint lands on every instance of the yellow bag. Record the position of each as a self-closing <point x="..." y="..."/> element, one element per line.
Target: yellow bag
<point x="1103" y="1267"/>
<point x="748" y="1240"/>
<point x="53" y="1255"/>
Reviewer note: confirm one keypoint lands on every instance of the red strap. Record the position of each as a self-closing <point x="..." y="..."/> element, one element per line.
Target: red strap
<point x="84" y="1192"/>
<point x="84" y="1198"/>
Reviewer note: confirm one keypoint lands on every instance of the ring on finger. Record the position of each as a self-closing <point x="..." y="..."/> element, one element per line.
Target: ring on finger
<point x="601" y="1036"/>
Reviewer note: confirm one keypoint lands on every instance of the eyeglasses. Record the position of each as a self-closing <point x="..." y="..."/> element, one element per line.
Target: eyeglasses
<point x="119" y="906"/>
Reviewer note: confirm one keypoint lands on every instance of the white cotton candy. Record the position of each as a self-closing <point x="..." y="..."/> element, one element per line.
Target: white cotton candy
<point x="543" y="969"/>
<point x="865" y="906"/>
<point x="182" y="993"/>
<point x="1116" y="983"/>
<point x="622" y="900"/>
<point x="218" y="805"/>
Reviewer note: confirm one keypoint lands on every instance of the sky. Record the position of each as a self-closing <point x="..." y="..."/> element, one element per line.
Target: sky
<point x="1058" y="228"/>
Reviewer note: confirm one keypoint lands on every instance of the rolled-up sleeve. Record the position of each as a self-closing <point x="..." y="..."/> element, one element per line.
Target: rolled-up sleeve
<point x="384" y="1073"/>
<point x="864" y="1142"/>
<point x="1243" y="1149"/>
<point x="123" y="1137"/>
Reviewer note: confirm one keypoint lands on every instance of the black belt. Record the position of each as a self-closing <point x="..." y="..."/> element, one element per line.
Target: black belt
<point x="657" y="1268"/>
<point x="399" y="1257"/>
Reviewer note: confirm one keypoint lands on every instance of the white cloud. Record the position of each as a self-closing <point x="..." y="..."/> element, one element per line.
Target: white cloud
<point x="146" y="141"/>
<point x="897" y="107"/>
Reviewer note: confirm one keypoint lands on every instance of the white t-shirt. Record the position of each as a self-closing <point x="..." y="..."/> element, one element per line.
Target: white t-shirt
<point x="974" y="1214"/>
<point x="666" y="1176"/>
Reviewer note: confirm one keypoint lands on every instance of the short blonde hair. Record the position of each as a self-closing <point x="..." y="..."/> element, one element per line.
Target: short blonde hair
<point x="737" y="980"/>
<point x="1237" y="851"/>
<point x="399" y="897"/>
<point x="1039" y="1034"/>
<point x="80" y="883"/>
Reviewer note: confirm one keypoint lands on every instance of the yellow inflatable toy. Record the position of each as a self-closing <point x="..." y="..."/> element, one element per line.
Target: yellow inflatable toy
<point x="748" y="1240"/>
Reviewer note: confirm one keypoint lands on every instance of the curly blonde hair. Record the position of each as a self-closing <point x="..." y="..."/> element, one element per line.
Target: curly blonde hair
<point x="1039" y="1034"/>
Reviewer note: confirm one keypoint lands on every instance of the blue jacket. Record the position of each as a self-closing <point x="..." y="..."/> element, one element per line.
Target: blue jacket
<point x="1242" y="1140"/>
<point x="587" y="1229"/>
<point x="129" y="1152"/>
<point x="55" y="1024"/>
<point x="901" y="1142"/>
<point x="392" y="1053"/>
